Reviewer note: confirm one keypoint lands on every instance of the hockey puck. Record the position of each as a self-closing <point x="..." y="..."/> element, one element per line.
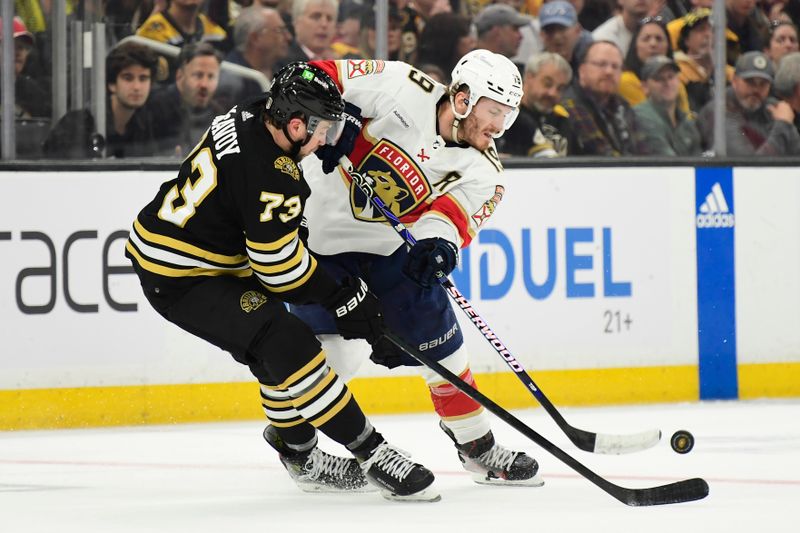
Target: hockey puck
<point x="682" y="441"/>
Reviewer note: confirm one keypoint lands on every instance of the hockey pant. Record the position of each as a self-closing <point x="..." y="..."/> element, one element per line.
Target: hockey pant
<point x="299" y="391"/>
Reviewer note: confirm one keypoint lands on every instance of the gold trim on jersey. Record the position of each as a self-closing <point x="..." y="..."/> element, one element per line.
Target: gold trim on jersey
<point x="285" y="265"/>
<point x="298" y="282"/>
<point x="182" y="272"/>
<point x="271" y="246"/>
<point x="187" y="248"/>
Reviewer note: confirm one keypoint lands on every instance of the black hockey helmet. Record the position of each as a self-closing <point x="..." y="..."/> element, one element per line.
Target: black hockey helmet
<point x="305" y="91"/>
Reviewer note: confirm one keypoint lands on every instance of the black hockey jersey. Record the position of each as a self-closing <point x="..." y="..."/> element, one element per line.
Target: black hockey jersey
<point x="234" y="209"/>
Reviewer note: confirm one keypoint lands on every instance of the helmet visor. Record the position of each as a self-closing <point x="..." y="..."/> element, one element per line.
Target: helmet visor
<point x="331" y="128"/>
<point x="501" y="116"/>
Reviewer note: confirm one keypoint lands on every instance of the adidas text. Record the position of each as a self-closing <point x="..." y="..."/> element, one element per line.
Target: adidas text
<point x="716" y="220"/>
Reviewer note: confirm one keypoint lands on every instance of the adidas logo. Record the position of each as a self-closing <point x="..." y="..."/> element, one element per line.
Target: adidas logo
<point x="714" y="212"/>
<point x="246" y="115"/>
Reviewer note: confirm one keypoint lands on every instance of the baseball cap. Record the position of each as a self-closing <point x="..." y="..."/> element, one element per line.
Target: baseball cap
<point x="558" y="12"/>
<point x="754" y="65"/>
<point x="19" y="29"/>
<point x="499" y="15"/>
<point x="656" y="64"/>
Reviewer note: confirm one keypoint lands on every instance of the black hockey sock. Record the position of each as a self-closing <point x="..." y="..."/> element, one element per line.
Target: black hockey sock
<point x="364" y="450"/>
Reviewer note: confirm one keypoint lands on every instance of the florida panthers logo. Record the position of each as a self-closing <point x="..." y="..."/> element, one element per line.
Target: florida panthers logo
<point x="396" y="179"/>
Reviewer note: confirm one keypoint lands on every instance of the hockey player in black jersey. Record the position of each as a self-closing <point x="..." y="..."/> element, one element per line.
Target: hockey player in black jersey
<point x="221" y="248"/>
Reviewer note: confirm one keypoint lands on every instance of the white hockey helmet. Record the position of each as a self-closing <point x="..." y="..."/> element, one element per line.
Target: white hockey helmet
<point x="491" y="75"/>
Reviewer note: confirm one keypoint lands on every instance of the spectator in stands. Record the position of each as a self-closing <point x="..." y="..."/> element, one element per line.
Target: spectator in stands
<point x="561" y="33"/>
<point x="782" y="40"/>
<point x="32" y="96"/>
<point x="314" y="30"/>
<point x="447" y="37"/>
<point x="130" y="71"/>
<point x="619" y="28"/>
<point x="348" y="29"/>
<point x="650" y="39"/>
<point x="180" y="24"/>
<point x="695" y="58"/>
<point x="367" y="39"/>
<point x="667" y="129"/>
<point x="603" y="122"/>
<point x="184" y="109"/>
<point x="261" y="39"/>
<point x="498" y="29"/>
<point x="787" y="84"/>
<point x="542" y="128"/>
<point x="596" y="12"/>
<point x="756" y="124"/>
<point x="748" y="22"/>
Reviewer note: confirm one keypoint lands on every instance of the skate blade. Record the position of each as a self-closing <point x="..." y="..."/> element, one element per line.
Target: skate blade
<point x="319" y="488"/>
<point x="428" y="495"/>
<point x="535" y="481"/>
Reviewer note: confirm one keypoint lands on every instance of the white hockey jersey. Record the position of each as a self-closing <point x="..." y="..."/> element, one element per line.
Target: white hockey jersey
<point x="434" y="188"/>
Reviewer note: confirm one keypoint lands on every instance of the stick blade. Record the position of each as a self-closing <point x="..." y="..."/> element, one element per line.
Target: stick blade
<point x="682" y="491"/>
<point x="621" y="444"/>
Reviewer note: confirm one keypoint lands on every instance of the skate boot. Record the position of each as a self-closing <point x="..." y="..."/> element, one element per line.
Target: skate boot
<point x="493" y="464"/>
<point x="318" y="471"/>
<point x="397" y="476"/>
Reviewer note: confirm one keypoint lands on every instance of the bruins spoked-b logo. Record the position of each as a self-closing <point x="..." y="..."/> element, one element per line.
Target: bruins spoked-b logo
<point x="287" y="166"/>
<point x="252" y="300"/>
<point x="396" y="179"/>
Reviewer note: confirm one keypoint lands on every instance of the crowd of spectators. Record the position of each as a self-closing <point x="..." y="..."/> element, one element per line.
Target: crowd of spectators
<point x="601" y="77"/>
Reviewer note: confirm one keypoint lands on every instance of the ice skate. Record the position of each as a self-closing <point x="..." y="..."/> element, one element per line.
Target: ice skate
<point x="318" y="471"/>
<point x="398" y="477"/>
<point x="493" y="464"/>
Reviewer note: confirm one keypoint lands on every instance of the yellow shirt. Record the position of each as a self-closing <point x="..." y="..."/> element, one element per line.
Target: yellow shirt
<point x="630" y="88"/>
<point x="160" y="27"/>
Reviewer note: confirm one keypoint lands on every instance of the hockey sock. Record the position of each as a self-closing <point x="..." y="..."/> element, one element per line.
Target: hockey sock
<point x="463" y="416"/>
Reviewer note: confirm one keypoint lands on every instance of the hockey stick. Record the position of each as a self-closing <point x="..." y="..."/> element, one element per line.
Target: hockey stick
<point x="585" y="440"/>
<point x="677" y="492"/>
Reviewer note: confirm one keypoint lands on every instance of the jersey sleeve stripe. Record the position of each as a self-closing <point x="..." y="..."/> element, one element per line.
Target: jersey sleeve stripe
<point x="175" y="244"/>
<point x="302" y="270"/>
<point x="447" y="207"/>
<point x="274" y="245"/>
<point x="299" y="283"/>
<point x="182" y="272"/>
<point x="289" y="252"/>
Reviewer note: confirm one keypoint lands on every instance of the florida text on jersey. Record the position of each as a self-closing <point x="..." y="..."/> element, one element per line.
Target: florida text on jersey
<point x="441" y="189"/>
<point x="234" y="209"/>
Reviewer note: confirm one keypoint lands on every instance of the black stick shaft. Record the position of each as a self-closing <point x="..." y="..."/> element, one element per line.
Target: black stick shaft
<point x="678" y="492"/>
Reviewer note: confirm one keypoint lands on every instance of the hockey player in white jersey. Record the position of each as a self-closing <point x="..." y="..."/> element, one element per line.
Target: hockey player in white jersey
<point x="430" y="153"/>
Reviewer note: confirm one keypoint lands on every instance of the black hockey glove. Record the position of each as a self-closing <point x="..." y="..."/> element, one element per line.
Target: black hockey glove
<point x="302" y="231"/>
<point x="356" y="311"/>
<point x="353" y="123"/>
<point x="429" y="260"/>
<point x="385" y="353"/>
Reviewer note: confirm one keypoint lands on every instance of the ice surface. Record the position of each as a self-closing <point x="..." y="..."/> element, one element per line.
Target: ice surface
<point x="224" y="478"/>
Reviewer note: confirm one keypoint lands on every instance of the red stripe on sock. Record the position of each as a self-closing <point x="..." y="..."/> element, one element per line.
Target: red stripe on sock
<point x="448" y="401"/>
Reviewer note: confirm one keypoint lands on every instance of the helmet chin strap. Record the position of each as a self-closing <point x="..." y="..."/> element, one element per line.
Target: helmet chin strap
<point x="294" y="151"/>
<point x="458" y="118"/>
